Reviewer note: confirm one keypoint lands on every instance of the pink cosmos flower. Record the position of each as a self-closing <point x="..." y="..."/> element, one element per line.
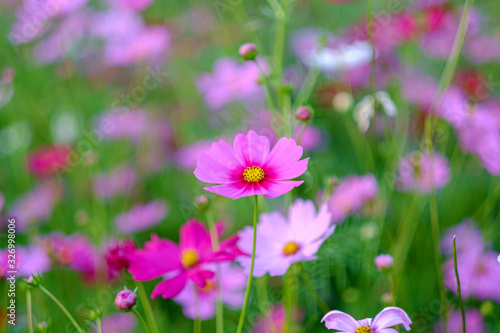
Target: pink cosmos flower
<point x="118" y="323"/>
<point x="177" y="264"/>
<point x="138" y="5"/>
<point x="231" y="81"/>
<point x="37" y="205"/>
<point x="415" y="170"/>
<point x="29" y="260"/>
<point x="351" y="195"/>
<point x="283" y="241"/>
<point x="201" y="303"/>
<point x="120" y="180"/>
<point x="391" y="316"/>
<point x="187" y="156"/>
<point x="384" y="261"/>
<point x="275" y="320"/>
<point x="468" y="238"/>
<point x="474" y="322"/>
<point x="49" y="160"/>
<point x="116" y="254"/>
<point x="250" y="167"/>
<point x="141" y="217"/>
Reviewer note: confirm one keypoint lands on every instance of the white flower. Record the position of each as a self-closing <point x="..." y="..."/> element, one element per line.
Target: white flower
<point x="365" y="109"/>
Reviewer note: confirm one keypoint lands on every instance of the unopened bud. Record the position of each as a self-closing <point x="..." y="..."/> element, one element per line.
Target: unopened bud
<point x="125" y="300"/>
<point x="384" y="262"/>
<point x="304" y="113"/>
<point x="248" y="51"/>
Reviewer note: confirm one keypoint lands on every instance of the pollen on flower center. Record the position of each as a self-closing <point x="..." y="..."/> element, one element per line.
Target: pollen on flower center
<point x="364" y="329"/>
<point x="253" y="174"/>
<point x="189" y="258"/>
<point x="290" y="248"/>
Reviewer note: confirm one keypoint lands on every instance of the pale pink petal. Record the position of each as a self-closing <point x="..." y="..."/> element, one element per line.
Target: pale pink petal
<point x="219" y="165"/>
<point x="171" y="287"/>
<point x="338" y="320"/>
<point x="387" y="330"/>
<point x="252" y="148"/>
<point x="391" y="316"/>
<point x="275" y="188"/>
<point x="232" y="190"/>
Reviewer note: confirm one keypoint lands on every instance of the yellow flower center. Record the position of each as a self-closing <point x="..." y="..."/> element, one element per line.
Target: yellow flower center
<point x="290" y="248"/>
<point x="364" y="329"/>
<point x="189" y="258"/>
<point x="253" y="174"/>
<point x="208" y="287"/>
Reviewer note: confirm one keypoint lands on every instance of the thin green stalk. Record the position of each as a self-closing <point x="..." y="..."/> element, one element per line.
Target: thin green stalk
<point x="147" y="307"/>
<point x="267" y="88"/>
<point x="141" y="320"/>
<point x="459" y="290"/>
<point x="370" y="28"/>
<point x="219" y="313"/>
<point x="321" y="304"/>
<point x="197" y="325"/>
<point x="61" y="306"/>
<point x="250" y="276"/>
<point x="30" y="315"/>
<point x="392" y="289"/>
<point x="307" y="87"/>
<point x="98" y="324"/>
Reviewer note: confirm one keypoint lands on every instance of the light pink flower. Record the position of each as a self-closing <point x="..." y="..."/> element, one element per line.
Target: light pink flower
<point x="138" y="5"/>
<point x="231" y="81"/>
<point x="351" y="195"/>
<point x="415" y="170"/>
<point x="391" y="316"/>
<point x="474" y="322"/>
<point x="275" y="320"/>
<point x="37" y="205"/>
<point x="201" y="303"/>
<point x="141" y="217"/>
<point x="384" y="261"/>
<point x="28" y="260"/>
<point x="187" y="156"/>
<point x="118" y="323"/>
<point x="250" y="167"/>
<point x="120" y="180"/>
<point x="468" y="239"/>
<point x="177" y="264"/>
<point x="282" y="241"/>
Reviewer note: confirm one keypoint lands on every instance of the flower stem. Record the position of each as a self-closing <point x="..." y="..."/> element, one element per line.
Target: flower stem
<point x="61" y="306"/>
<point x="197" y="325"/>
<point x="250" y="276"/>
<point x="321" y="304"/>
<point x="141" y="320"/>
<point x="219" y="313"/>
<point x="98" y="324"/>
<point x="30" y="315"/>
<point x="147" y="307"/>
<point x="459" y="290"/>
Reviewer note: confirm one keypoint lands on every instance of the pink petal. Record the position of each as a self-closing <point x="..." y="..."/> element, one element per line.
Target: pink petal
<point x="200" y="277"/>
<point x="252" y="148"/>
<point x="284" y="152"/>
<point x="338" y="320"/>
<point x="219" y="165"/>
<point x="287" y="171"/>
<point x="194" y="235"/>
<point x="232" y="190"/>
<point x="158" y="257"/>
<point x="171" y="287"/>
<point x="391" y="316"/>
<point x="275" y="188"/>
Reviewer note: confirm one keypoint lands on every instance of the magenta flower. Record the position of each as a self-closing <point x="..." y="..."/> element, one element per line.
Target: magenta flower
<point x="414" y="173"/>
<point x="391" y="316"/>
<point x="141" y="217"/>
<point x="179" y="263"/>
<point x="351" y="195"/>
<point x="283" y="241"/>
<point x="250" y="167"/>
<point x="201" y="303"/>
<point x="116" y="253"/>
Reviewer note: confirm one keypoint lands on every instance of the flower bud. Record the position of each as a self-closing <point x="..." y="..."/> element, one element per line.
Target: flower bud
<point x="125" y="300"/>
<point x="42" y="327"/>
<point x="248" y="51"/>
<point x="201" y="203"/>
<point x="384" y="262"/>
<point x="304" y="113"/>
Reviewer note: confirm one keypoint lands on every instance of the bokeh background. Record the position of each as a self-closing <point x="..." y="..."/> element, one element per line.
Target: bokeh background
<point x="66" y="71"/>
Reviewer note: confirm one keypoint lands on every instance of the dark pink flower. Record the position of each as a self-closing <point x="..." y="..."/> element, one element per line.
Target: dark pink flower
<point x="391" y="316"/>
<point x="177" y="264"/>
<point x="49" y="161"/>
<point x="116" y="256"/>
<point x="250" y="167"/>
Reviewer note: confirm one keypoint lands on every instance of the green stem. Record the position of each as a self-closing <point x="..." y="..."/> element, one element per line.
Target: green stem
<point x="147" y="307"/>
<point x="61" y="306"/>
<point x="307" y="87"/>
<point x="141" y="320"/>
<point x="370" y="28"/>
<point x="250" y="276"/>
<point x="30" y="315"/>
<point x="197" y="325"/>
<point x="322" y="305"/>
<point x="459" y="290"/>
<point x="98" y="324"/>
<point x="392" y="289"/>
<point x="219" y="313"/>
